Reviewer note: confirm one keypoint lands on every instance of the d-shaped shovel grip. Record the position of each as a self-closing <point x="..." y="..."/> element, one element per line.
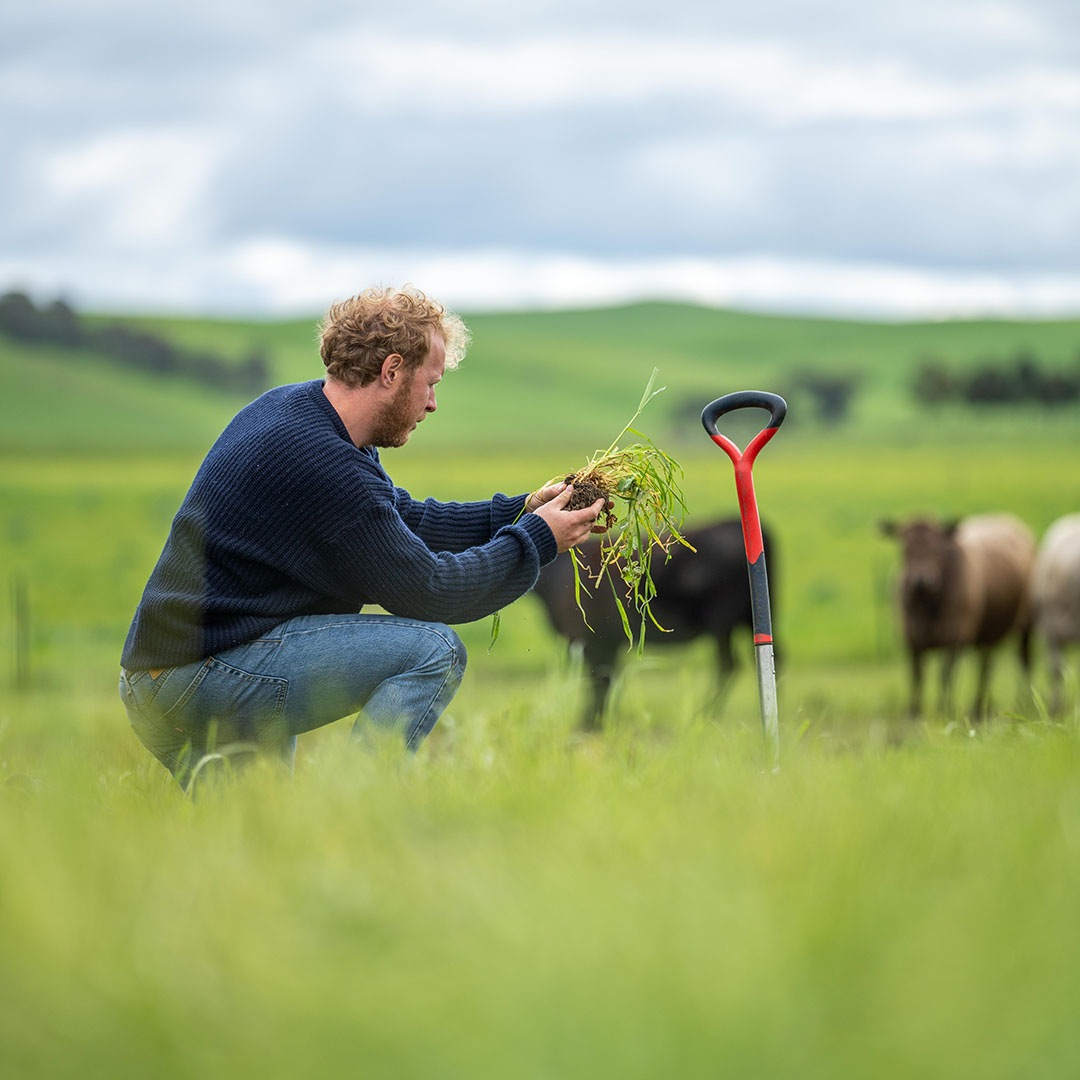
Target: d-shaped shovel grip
<point x="744" y="487"/>
<point x="744" y="399"/>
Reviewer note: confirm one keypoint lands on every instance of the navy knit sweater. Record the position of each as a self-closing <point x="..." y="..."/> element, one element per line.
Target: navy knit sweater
<point x="286" y="517"/>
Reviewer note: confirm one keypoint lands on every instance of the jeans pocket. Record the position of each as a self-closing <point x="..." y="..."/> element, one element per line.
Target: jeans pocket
<point x="156" y="698"/>
<point x="228" y="704"/>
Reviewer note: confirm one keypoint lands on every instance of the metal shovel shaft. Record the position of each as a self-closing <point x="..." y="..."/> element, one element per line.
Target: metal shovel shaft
<point x="770" y="717"/>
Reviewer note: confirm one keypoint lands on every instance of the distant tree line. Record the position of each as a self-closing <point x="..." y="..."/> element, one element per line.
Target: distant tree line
<point x="813" y="395"/>
<point x="1023" y="379"/>
<point x="830" y="392"/>
<point x="57" y="323"/>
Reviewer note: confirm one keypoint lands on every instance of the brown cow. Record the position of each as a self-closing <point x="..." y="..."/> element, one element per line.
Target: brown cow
<point x="964" y="585"/>
<point x="702" y="594"/>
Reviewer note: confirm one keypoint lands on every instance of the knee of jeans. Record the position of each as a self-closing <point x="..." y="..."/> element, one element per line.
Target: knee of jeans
<point x="447" y="652"/>
<point x="459" y="655"/>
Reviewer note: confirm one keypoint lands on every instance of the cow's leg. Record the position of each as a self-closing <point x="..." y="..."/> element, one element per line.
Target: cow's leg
<point x="725" y="670"/>
<point x="915" y="706"/>
<point x="599" y="687"/>
<point x="978" y="709"/>
<point x="1056" y="656"/>
<point x="1025" y="651"/>
<point x="948" y="670"/>
<point x="601" y="667"/>
<point x="1027" y="687"/>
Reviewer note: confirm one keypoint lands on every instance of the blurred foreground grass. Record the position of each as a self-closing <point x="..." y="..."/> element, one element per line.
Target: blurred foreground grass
<point x="517" y="901"/>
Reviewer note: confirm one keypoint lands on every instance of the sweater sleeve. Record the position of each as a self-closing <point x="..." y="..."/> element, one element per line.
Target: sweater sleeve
<point x="454" y="526"/>
<point x="378" y="559"/>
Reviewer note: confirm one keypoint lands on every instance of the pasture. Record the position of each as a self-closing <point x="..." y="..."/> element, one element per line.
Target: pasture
<point x="899" y="900"/>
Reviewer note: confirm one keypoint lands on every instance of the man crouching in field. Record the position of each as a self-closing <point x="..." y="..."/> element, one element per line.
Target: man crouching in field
<point x="250" y="628"/>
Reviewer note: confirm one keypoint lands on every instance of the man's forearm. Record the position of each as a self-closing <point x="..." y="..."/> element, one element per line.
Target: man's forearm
<point x="456" y="527"/>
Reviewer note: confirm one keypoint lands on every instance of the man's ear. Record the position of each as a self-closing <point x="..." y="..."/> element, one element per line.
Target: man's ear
<point x="392" y="369"/>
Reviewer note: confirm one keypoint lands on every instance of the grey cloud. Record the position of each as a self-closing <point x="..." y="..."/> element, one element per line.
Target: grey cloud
<point x="301" y="163"/>
<point x="568" y="182"/>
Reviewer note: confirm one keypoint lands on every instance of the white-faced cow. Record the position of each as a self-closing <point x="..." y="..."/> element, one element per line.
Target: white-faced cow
<point x="1056" y="596"/>
<point x="702" y="594"/>
<point x="964" y="585"/>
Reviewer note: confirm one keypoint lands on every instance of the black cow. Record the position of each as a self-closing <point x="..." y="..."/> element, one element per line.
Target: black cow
<point x="702" y="593"/>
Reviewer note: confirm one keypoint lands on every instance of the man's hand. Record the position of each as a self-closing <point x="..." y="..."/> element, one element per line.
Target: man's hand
<point x="538" y="498"/>
<point x="569" y="526"/>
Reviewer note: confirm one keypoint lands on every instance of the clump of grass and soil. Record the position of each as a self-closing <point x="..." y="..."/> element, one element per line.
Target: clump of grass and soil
<point x="643" y="516"/>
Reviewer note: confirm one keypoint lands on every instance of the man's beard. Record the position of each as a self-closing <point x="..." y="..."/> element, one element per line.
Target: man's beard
<point x="395" y="423"/>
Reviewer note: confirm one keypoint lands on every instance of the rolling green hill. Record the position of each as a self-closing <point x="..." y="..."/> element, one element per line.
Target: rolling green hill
<point x="543" y="379"/>
<point x="56" y="401"/>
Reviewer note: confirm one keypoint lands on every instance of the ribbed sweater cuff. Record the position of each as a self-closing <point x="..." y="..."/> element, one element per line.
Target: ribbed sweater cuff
<point x="541" y="535"/>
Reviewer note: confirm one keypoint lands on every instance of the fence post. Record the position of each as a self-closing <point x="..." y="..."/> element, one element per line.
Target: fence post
<point x="20" y="604"/>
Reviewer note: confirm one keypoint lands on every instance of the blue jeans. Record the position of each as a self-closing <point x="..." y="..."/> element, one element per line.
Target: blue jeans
<point x="307" y="672"/>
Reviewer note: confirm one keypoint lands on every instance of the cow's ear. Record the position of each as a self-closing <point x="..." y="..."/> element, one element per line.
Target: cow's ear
<point x="888" y="527"/>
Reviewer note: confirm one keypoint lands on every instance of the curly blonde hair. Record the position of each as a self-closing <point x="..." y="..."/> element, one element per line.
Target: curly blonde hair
<point x="358" y="334"/>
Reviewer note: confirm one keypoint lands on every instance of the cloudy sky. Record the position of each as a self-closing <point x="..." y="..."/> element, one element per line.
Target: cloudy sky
<point x="847" y="156"/>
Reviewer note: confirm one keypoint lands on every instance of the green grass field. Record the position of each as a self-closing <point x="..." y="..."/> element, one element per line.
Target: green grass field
<point x="897" y="901"/>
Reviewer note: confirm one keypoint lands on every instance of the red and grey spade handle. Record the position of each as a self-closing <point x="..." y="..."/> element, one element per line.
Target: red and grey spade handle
<point x="743" y="460"/>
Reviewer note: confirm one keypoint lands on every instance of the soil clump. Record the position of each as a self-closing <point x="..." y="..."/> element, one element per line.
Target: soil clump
<point x="588" y="487"/>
